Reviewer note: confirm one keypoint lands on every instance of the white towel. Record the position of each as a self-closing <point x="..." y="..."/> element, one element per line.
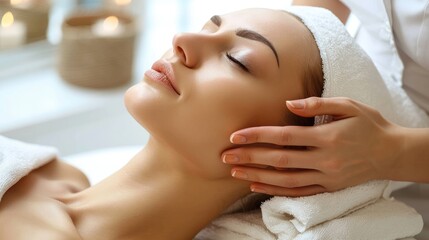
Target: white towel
<point x="359" y="212"/>
<point x="383" y="220"/>
<point x="302" y="213"/>
<point x="318" y="215"/>
<point x="17" y="159"/>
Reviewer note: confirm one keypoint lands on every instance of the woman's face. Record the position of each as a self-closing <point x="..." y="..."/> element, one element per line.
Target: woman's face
<point x="237" y="72"/>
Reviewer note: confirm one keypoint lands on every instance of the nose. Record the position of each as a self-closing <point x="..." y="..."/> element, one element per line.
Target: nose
<point x="191" y="48"/>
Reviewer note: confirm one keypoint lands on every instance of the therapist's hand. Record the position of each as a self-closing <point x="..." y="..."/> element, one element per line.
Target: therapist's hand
<point x="357" y="146"/>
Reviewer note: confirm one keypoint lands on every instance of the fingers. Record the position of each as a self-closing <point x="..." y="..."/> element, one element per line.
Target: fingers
<point x="339" y="107"/>
<point x="274" y="157"/>
<point x="285" y="179"/>
<point x="285" y="135"/>
<point x="289" y="192"/>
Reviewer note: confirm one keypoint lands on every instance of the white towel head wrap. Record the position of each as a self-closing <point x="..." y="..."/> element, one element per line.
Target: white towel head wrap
<point x="348" y="71"/>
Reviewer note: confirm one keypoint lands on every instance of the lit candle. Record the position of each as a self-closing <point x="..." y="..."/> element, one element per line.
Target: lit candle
<point x="12" y="33"/>
<point x="108" y="27"/>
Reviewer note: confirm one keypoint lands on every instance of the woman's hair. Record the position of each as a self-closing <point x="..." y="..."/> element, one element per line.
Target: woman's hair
<point x="312" y="76"/>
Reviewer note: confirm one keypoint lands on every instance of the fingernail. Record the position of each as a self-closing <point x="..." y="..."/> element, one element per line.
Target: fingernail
<point x="230" y="158"/>
<point x="239" y="174"/>
<point x="238" y="139"/>
<point x="297" y="104"/>
<point x="257" y="190"/>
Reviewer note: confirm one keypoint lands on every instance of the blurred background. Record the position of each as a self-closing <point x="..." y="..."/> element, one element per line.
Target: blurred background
<point x="41" y="98"/>
<point x="40" y="105"/>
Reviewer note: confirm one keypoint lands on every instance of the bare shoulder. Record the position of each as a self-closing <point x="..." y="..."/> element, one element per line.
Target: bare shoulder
<point x="60" y="170"/>
<point x="31" y="209"/>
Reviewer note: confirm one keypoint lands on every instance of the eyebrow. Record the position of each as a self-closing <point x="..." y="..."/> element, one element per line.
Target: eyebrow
<point x="249" y="34"/>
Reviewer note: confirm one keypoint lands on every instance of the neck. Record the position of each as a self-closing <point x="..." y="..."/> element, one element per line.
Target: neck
<point x="157" y="195"/>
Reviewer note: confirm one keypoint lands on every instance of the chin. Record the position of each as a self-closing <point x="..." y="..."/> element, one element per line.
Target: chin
<point x="131" y="101"/>
<point x="150" y="109"/>
<point x="140" y="101"/>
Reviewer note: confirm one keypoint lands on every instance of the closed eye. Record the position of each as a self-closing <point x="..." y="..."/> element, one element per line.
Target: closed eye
<point x="237" y="62"/>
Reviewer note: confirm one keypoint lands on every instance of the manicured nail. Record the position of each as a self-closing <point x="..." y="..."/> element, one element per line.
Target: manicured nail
<point x="238" y="139"/>
<point x="297" y="104"/>
<point x="257" y="190"/>
<point x="230" y="158"/>
<point x="239" y="174"/>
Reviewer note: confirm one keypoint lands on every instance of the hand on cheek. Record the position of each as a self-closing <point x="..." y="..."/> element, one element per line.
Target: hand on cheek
<point x="358" y="146"/>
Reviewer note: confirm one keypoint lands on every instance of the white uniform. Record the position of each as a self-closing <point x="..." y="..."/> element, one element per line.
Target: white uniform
<point x="395" y="33"/>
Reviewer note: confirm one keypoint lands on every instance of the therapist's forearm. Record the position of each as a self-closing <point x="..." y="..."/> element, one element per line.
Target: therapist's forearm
<point x="413" y="162"/>
<point x="335" y="6"/>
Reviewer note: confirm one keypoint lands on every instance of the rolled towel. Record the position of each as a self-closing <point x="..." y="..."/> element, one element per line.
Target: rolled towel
<point x="358" y="212"/>
<point x="383" y="220"/>
<point x="292" y="215"/>
<point x="17" y="159"/>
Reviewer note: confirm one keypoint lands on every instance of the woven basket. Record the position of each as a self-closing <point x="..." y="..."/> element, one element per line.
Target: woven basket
<point x="88" y="60"/>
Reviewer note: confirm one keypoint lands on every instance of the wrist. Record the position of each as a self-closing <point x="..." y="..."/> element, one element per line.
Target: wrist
<point x="391" y="151"/>
<point x="412" y="160"/>
<point x="399" y="148"/>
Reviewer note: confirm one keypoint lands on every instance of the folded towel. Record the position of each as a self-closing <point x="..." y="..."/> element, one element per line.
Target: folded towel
<point x="384" y="219"/>
<point x="349" y="211"/>
<point x="17" y="159"/>
<point x="291" y="215"/>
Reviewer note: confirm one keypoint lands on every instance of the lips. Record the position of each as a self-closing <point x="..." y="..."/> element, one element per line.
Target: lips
<point x="162" y="72"/>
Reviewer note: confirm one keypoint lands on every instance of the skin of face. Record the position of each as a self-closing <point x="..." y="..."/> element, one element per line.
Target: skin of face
<point x="217" y="96"/>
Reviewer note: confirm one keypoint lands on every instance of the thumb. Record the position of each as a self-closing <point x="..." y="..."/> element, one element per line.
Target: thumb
<point x="314" y="106"/>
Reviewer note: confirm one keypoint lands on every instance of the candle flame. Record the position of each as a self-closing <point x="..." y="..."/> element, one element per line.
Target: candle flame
<point x="111" y="23"/>
<point x="7" y="19"/>
<point x="122" y="2"/>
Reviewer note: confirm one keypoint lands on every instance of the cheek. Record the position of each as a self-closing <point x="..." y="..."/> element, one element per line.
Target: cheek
<point x="239" y="104"/>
